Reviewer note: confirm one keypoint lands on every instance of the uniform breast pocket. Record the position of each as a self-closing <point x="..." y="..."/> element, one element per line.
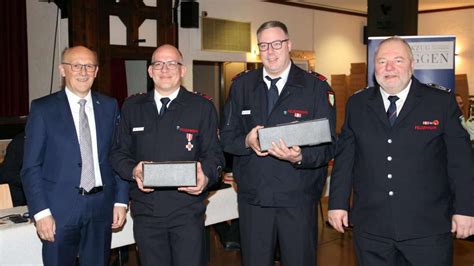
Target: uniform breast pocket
<point x="137" y="130"/>
<point x="297" y="114"/>
<point x="140" y="137"/>
<point x="247" y="119"/>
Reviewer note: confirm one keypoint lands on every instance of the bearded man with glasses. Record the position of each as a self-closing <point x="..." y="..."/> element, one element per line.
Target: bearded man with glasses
<point x="279" y="188"/>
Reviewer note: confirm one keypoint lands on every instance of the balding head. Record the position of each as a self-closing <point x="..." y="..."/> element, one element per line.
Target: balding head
<point x="166" y="69"/>
<point x="167" y="48"/>
<point x="399" y="40"/>
<point x="69" y="52"/>
<point x="79" y="69"/>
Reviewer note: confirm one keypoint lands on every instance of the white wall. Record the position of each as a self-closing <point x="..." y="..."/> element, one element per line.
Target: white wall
<point x="338" y="42"/>
<point x="461" y="24"/>
<point x="298" y="20"/>
<point x="41" y="23"/>
<point x="335" y="38"/>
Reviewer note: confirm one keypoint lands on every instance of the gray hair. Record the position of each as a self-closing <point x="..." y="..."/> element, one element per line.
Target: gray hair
<point x="395" y="39"/>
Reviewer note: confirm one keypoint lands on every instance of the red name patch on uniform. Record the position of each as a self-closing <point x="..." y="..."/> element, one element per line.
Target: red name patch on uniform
<point x="188" y="130"/>
<point x="297" y="113"/>
<point x="294" y="111"/>
<point x="426" y="127"/>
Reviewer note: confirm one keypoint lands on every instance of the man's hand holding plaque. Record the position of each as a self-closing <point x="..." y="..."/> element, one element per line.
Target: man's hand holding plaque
<point x="283" y="152"/>
<point x="138" y="176"/>
<point x="202" y="181"/>
<point x="251" y="141"/>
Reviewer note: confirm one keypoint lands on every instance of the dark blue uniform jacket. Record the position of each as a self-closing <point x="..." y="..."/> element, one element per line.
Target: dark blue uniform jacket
<point x="267" y="181"/>
<point x="144" y="136"/>
<point x="409" y="179"/>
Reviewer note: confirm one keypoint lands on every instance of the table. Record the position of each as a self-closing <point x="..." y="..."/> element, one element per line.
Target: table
<point x="19" y="243"/>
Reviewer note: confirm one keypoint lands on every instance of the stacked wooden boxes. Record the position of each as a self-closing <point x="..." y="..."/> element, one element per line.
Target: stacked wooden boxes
<point x="344" y="86"/>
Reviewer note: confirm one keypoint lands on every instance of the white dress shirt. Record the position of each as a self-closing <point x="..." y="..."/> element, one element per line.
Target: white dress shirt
<point x="401" y="95"/>
<point x="73" y="100"/>
<point x="158" y="97"/>
<point x="281" y="82"/>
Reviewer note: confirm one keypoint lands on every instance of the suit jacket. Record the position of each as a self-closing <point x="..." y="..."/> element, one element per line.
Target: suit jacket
<point x="52" y="161"/>
<point x="145" y="136"/>
<point x="409" y="179"/>
<point x="268" y="181"/>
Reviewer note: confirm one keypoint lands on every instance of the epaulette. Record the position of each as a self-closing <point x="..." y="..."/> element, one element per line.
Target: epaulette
<point x="363" y="89"/>
<point x="136" y="94"/>
<point x="439" y="87"/>
<point x="240" y="74"/>
<point x="205" y="96"/>
<point x="317" y="75"/>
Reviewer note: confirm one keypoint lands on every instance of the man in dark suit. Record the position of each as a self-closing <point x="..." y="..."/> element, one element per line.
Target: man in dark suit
<point x="168" y="123"/>
<point x="73" y="193"/>
<point x="277" y="190"/>
<point x="407" y="159"/>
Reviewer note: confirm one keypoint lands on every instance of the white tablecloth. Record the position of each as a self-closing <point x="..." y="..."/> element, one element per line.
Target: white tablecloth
<point x="20" y="245"/>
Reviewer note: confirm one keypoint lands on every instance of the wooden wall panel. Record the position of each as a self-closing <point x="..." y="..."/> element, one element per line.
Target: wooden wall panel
<point x="345" y="86"/>
<point x="462" y="88"/>
<point x="339" y="86"/>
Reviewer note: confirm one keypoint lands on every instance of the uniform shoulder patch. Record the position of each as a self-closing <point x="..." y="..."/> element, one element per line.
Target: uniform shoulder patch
<point x="361" y="90"/>
<point x="317" y="75"/>
<point x="331" y="96"/>
<point x="205" y="96"/>
<point x="438" y="87"/>
<point x="135" y="95"/>
<point x="240" y="74"/>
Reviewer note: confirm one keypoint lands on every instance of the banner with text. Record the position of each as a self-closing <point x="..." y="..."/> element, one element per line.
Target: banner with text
<point x="434" y="59"/>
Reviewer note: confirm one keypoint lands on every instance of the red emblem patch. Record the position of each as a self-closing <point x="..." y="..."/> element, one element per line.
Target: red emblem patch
<point x="428" y="125"/>
<point x="188" y="130"/>
<point x="298" y="113"/>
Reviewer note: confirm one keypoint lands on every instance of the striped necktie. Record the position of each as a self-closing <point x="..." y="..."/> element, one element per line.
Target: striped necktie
<point x="272" y="94"/>
<point x="85" y="144"/>
<point x="392" y="109"/>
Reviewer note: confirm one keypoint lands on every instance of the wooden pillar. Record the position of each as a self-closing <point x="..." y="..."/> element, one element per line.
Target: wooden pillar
<point x="89" y="26"/>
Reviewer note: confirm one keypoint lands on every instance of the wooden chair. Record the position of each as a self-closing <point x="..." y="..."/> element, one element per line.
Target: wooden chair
<point x="5" y="197"/>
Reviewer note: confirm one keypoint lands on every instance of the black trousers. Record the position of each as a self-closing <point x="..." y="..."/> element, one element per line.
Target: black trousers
<point x="174" y="240"/>
<point x="373" y="250"/>
<point x="295" y="228"/>
<point x="228" y="232"/>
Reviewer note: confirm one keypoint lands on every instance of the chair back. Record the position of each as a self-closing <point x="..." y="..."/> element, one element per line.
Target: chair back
<point x="5" y="197"/>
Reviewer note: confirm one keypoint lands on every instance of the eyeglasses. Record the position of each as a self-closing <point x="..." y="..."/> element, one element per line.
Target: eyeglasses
<point x="171" y="65"/>
<point x="79" y="67"/>
<point x="276" y="45"/>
